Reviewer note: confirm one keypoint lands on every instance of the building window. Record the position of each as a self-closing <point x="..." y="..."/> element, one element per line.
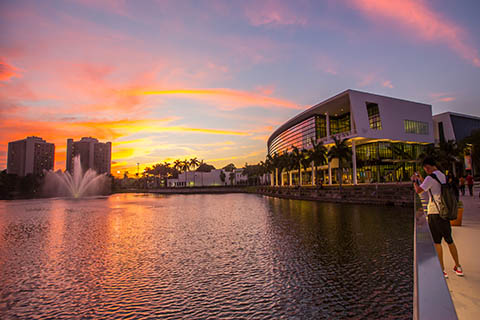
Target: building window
<point x="416" y="127"/>
<point x="321" y="123"/>
<point x="374" y="116"/>
<point x="299" y="135"/>
<point x="340" y="124"/>
<point x="441" y="133"/>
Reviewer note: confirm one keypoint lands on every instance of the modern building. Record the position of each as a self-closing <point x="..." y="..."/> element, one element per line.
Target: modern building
<point x="385" y="134"/>
<point x="93" y="154"/>
<point x="205" y="179"/>
<point x="454" y="126"/>
<point x="32" y="155"/>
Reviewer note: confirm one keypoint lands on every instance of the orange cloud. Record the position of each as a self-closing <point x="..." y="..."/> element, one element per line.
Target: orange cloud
<point x="7" y="71"/>
<point x="231" y="97"/>
<point x="426" y="23"/>
<point x="387" y="84"/>
<point x="442" y="97"/>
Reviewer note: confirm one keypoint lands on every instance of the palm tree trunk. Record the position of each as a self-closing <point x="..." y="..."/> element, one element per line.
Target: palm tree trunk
<point x="299" y="176"/>
<point x="340" y="174"/>
<point x="314" y="174"/>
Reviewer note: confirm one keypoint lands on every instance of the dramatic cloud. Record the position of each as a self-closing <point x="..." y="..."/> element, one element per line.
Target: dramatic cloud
<point x="232" y="98"/>
<point x="7" y="71"/>
<point x="425" y="23"/>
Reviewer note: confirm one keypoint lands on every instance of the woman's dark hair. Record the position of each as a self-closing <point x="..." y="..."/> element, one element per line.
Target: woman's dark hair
<point x="429" y="161"/>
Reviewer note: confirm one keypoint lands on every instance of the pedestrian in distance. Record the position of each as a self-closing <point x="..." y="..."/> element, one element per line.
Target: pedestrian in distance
<point x="470" y="184"/>
<point x="462" y="185"/>
<point x="439" y="228"/>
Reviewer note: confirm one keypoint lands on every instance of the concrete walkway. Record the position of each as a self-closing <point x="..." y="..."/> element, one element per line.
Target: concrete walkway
<point x="465" y="291"/>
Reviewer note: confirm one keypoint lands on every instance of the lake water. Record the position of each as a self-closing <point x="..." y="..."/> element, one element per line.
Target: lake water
<point x="204" y="256"/>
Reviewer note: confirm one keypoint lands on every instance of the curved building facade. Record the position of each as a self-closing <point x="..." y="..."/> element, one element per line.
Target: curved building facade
<point x="385" y="135"/>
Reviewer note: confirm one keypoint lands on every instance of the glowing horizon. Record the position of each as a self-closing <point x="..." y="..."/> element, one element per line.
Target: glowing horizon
<point x="166" y="80"/>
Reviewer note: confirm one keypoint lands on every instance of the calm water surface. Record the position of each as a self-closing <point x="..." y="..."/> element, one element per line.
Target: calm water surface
<point x="204" y="256"/>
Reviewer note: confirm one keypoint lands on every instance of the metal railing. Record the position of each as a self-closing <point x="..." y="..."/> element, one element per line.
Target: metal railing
<point x="431" y="296"/>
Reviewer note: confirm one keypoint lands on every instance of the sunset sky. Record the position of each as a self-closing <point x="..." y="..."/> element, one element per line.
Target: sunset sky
<point x="176" y="79"/>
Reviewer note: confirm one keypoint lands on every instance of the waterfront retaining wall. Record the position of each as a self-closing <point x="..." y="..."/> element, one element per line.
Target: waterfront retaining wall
<point x="398" y="194"/>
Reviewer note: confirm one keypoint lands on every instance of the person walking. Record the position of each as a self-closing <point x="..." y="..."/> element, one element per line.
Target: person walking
<point x="470" y="184"/>
<point x="439" y="228"/>
<point x="462" y="185"/>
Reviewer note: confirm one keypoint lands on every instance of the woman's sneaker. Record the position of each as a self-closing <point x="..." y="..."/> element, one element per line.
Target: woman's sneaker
<point x="458" y="270"/>
<point x="445" y="274"/>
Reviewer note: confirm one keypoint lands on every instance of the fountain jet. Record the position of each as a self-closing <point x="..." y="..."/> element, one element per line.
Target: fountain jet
<point x="76" y="185"/>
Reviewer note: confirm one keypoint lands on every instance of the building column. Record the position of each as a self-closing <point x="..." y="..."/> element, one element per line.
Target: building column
<point x="300" y="177"/>
<point x="329" y="172"/>
<point x="314" y="174"/>
<point x="328" y="125"/>
<point x="354" y="162"/>
<point x="289" y="178"/>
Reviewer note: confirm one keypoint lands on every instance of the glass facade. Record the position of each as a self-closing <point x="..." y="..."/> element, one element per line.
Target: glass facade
<point x="387" y="161"/>
<point x="463" y="126"/>
<point x="416" y="127"/>
<point x="299" y="135"/>
<point x="374" y="116"/>
<point x="321" y="122"/>
<point x="340" y="124"/>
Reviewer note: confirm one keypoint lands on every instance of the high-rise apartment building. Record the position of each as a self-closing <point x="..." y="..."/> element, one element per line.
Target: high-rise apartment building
<point x="30" y="156"/>
<point x="93" y="154"/>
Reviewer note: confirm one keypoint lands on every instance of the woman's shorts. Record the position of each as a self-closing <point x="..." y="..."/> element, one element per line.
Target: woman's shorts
<point x="440" y="228"/>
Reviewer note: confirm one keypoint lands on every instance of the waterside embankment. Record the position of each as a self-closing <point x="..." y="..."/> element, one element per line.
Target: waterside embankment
<point x="397" y="194"/>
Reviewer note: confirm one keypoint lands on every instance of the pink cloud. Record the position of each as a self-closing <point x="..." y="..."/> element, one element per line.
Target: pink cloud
<point x="272" y="13"/>
<point x="442" y="97"/>
<point x="419" y="20"/>
<point x="387" y="84"/>
<point x="265" y="90"/>
<point x="7" y="71"/>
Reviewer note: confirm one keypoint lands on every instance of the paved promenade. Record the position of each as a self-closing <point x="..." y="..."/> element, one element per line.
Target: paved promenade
<point x="465" y="291"/>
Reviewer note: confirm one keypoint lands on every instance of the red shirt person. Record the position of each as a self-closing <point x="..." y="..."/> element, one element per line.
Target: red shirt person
<point x="470" y="184"/>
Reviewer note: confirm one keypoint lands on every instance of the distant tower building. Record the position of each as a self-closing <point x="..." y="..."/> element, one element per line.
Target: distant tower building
<point x="30" y="156"/>
<point x="93" y="154"/>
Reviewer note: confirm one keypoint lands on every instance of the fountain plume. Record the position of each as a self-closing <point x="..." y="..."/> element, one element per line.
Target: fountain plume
<point x="76" y="185"/>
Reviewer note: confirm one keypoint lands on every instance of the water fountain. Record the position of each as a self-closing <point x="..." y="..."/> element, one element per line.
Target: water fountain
<point x="76" y="185"/>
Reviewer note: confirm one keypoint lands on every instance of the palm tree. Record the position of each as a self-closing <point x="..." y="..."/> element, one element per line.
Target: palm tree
<point x="318" y="154"/>
<point x="296" y="158"/>
<point x="276" y="162"/>
<point x="290" y="164"/>
<point x="185" y="166"/>
<point x="449" y="153"/>
<point x="400" y="158"/>
<point x="306" y="160"/>
<point x="194" y="163"/>
<point x="177" y="164"/>
<point x="341" y="152"/>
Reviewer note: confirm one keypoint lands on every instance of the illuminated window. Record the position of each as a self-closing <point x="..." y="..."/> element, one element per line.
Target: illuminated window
<point x="416" y="127"/>
<point x="321" y="123"/>
<point x="374" y="116"/>
<point x="340" y="124"/>
<point x="299" y="135"/>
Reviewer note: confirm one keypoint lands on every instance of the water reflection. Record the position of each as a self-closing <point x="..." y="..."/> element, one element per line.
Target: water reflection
<point x="200" y="256"/>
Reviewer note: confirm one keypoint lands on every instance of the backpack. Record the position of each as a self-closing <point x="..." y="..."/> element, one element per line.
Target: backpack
<point x="447" y="208"/>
